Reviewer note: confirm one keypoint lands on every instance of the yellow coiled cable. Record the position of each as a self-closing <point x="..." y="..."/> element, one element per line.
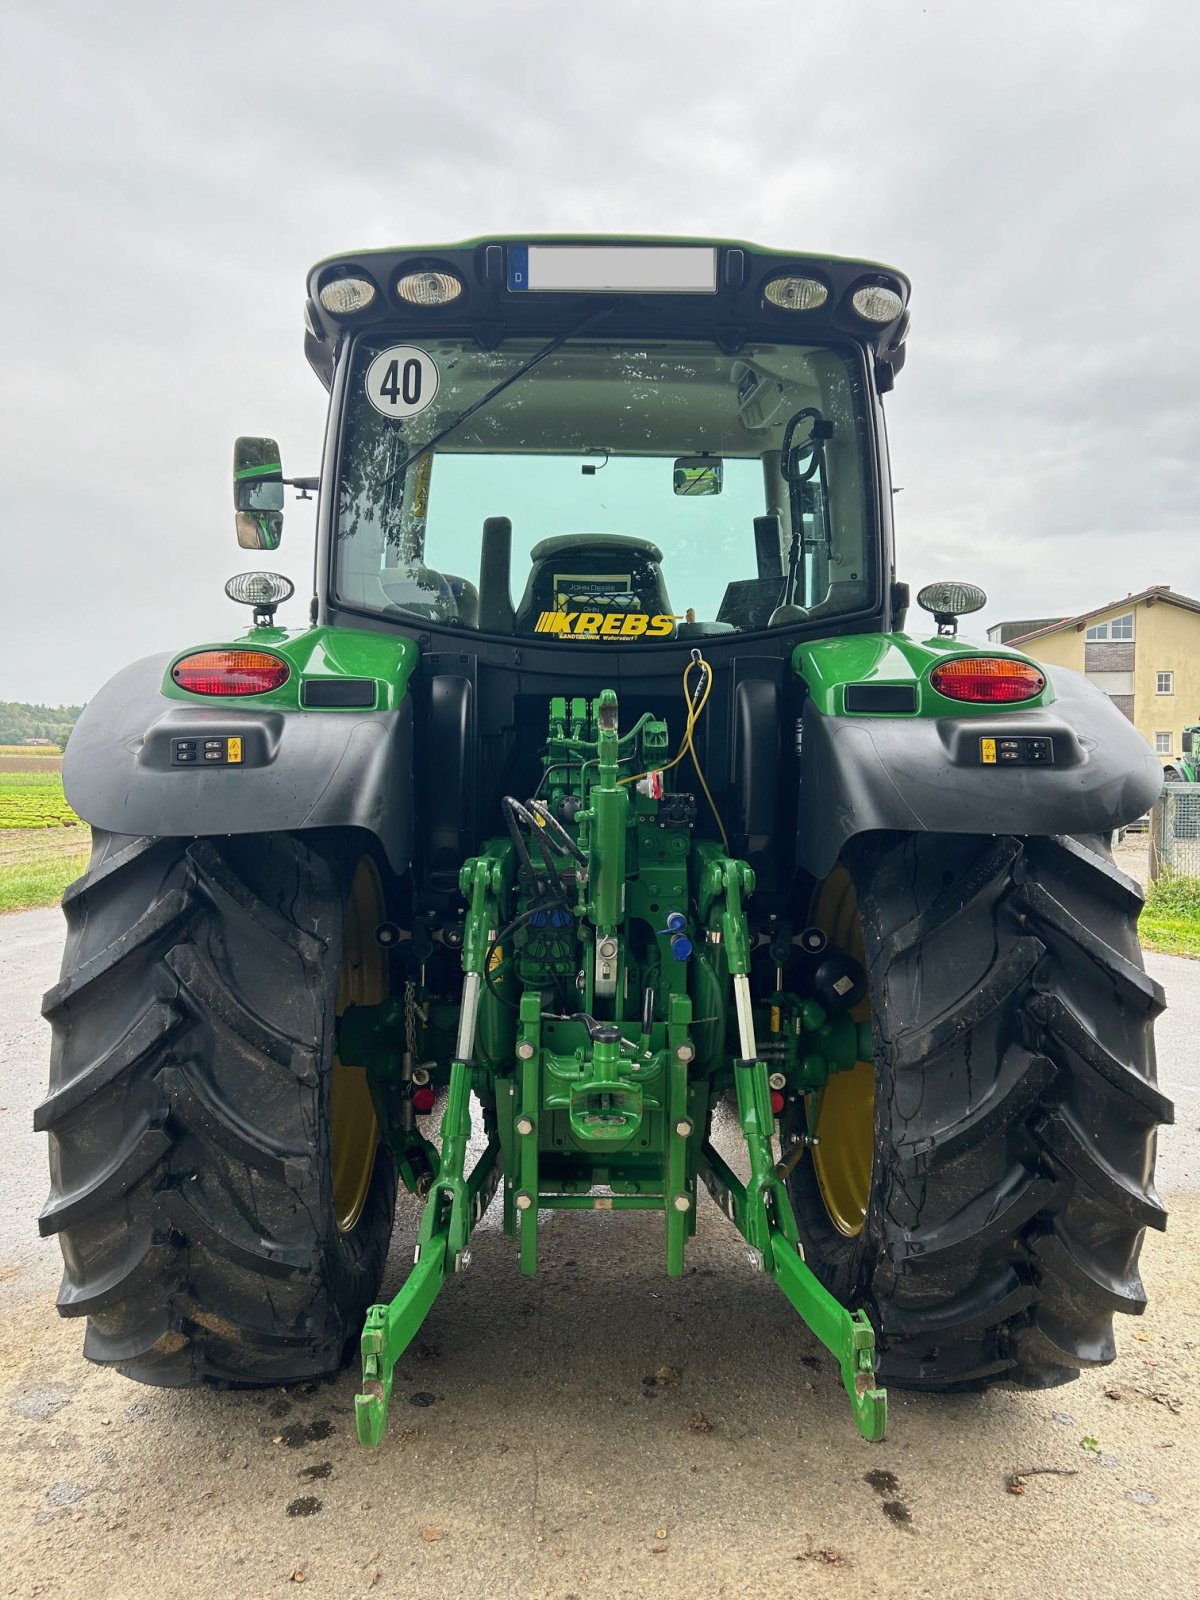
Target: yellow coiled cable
<point x="695" y="707"/>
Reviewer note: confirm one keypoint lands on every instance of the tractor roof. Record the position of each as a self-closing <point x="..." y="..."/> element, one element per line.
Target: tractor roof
<point x="542" y="284"/>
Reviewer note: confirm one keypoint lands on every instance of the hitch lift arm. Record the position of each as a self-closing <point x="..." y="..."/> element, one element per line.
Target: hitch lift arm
<point x="456" y="1200"/>
<point x="761" y="1210"/>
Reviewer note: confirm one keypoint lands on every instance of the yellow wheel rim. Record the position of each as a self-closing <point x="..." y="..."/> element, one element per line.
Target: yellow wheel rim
<point x="844" y="1111"/>
<point x="362" y="981"/>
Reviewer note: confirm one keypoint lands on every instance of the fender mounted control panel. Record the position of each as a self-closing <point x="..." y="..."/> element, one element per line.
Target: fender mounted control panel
<point x="1016" y="751"/>
<point x="211" y="750"/>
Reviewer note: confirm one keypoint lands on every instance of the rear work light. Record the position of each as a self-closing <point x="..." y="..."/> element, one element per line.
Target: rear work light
<point x="345" y="295"/>
<point x="429" y="288"/>
<point x="987" y="680"/>
<point x="796" y="294"/>
<point x="230" y="672"/>
<point x="877" y="303"/>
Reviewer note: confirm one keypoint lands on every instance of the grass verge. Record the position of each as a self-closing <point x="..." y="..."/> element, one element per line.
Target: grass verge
<point x="1170" y="920"/>
<point x="37" y="864"/>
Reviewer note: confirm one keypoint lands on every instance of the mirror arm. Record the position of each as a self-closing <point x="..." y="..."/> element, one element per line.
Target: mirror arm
<point x="796" y="548"/>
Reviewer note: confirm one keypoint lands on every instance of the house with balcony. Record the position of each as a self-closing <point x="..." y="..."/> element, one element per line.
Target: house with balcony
<point x="1143" y="652"/>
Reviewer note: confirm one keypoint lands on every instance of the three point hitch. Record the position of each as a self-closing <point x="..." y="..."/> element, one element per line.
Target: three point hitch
<point x="618" y="1094"/>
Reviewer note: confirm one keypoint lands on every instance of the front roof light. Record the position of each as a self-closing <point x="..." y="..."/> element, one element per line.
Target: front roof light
<point x="796" y="294"/>
<point x="342" y="297"/>
<point x="875" y="302"/>
<point x="429" y="288"/>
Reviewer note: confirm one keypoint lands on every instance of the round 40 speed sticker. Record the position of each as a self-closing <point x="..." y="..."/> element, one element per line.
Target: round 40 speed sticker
<point x="402" y="381"/>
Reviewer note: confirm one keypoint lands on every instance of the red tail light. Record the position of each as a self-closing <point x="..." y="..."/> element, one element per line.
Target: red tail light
<point x="230" y="672"/>
<point x="988" y="680"/>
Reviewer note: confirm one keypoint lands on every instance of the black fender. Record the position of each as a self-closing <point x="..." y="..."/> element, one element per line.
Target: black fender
<point x="925" y="775"/>
<point x="300" y="769"/>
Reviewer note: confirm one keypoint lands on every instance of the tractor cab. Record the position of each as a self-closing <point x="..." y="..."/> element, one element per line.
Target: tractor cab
<point x="623" y="446"/>
<point x="616" y="493"/>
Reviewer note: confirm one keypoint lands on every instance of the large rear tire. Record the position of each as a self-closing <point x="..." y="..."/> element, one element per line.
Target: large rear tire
<point x="1001" y="1209"/>
<point x="207" y="1232"/>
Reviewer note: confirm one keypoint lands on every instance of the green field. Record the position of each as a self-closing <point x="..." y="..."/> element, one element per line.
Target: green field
<point x="34" y="800"/>
<point x="43" y="844"/>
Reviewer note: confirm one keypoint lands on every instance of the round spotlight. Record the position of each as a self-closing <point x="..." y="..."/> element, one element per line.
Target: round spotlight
<point x="429" y="288"/>
<point x="796" y="294"/>
<point x="342" y="297"/>
<point x="876" y="303"/>
<point x="260" y="589"/>
<point x="951" y="599"/>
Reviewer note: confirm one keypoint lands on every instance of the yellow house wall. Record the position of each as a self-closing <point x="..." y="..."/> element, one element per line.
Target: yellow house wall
<point x="1062" y="649"/>
<point x="1166" y="639"/>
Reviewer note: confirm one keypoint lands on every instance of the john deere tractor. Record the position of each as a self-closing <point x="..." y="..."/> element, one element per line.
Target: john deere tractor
<point x="604" y="785"/>
<point x="1187" y="768"/>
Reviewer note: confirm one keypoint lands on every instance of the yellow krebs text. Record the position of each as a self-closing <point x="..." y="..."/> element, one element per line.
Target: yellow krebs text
<point x="605" y="625"/>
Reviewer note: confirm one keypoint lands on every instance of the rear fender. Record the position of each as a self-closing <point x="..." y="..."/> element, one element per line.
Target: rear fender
<point x="300" y="768"/>
<point x="923" y="771"/>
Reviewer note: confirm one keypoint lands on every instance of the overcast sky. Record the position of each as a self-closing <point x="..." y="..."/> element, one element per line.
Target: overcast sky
<point x="170" y="172"/>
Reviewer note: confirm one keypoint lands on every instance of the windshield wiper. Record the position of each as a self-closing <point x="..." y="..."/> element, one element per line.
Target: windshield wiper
<point x="548" y="349"/>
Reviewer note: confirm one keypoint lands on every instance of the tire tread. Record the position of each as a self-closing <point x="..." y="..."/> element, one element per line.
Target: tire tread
<point x="189" y="1172"/>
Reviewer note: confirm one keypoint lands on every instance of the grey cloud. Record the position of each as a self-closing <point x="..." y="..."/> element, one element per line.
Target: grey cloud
<point x="171" y="173"/>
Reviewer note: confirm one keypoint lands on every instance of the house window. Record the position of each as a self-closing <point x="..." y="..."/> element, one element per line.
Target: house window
<point x="1115" y="628"/>
<point x="1162" y="744"/>
<point x="1165" y="683"/>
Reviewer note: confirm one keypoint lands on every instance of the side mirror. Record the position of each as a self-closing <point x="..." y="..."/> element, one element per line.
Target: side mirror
<point x="258" y="493"/>
<point x="1189" y="738"/>
<point x="699" y="475"/>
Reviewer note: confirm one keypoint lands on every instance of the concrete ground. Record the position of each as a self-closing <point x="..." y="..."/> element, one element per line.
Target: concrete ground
<point x="528" y="1456"/>
<point x="1132" y="855"/>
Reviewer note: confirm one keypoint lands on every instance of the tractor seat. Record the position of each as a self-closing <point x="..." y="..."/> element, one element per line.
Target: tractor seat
<point x="435" y="596"/>
<point x="419" y="591"/>
<point x="466" y="597"/>
<point x="601" y="572"/>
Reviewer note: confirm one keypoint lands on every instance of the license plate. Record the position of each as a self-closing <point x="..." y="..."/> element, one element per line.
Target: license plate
<point x="612" y="269"/>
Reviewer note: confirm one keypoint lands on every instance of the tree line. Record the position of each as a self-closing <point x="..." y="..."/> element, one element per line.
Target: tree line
<point x="20" y="721"/>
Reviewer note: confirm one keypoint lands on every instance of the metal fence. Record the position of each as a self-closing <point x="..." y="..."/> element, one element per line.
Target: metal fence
<point x="1175" y="832"/>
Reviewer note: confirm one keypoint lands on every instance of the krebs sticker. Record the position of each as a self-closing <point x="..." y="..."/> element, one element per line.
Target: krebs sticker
<point x="402" y="381"/>
<point x="605" y="625"/>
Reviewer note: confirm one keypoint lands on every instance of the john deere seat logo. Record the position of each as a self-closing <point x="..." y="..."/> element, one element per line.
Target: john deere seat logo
<point x="605" y="624"/>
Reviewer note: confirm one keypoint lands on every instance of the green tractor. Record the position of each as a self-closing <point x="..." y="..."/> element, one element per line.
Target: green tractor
<point x="1187" y="768"/>
<point x="603" y="788"/>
